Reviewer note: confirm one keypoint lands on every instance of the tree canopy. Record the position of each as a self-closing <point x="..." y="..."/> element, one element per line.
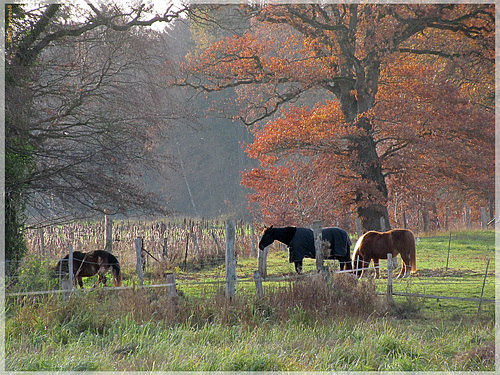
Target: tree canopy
<point x="357" y="107"/>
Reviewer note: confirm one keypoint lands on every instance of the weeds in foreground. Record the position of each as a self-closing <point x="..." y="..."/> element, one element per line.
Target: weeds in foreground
<point x="97" y="310"/>
<point x="305" y="325"/>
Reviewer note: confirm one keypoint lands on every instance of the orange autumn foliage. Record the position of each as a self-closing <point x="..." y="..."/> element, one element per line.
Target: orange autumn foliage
<point x="362" y="108"/>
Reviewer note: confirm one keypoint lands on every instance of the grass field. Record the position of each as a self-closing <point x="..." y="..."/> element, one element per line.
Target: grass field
<point x="301" y="325"/>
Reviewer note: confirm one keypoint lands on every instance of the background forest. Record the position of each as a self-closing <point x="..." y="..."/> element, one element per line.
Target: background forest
<point x="284" y="114"/>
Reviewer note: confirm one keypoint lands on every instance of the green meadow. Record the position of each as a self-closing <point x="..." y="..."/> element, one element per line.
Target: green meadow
<point x="301" y="324"/>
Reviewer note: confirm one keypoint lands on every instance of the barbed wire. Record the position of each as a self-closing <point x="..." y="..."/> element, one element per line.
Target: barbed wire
<point x="286" y="278"/>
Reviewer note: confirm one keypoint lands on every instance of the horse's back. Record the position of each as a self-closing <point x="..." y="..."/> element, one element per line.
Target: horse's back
<point x="338" y="238"/>
<point x="402" y="237"/>
<point x="373" y="244"/>
<point x="76" y="255"/>
<point x="105" y="256"/>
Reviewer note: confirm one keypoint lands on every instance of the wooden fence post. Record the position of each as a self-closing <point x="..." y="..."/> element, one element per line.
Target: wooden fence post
<point x="389" y="278"/>
<point x="108" y="234"/>
<point x="67" y="282"/>
<point x="253" y="253"/>
<point x="258" y="284"/>
<point x="138" y="254"/>
<point x="196" y="244"/>
<point x="448" y="257"/>
<point x="318" y="244"/>
<point x="263" y="262"/>
<point x="67" y="287"/>
<point x="484" y="282"/>
<point x="171" y="289"/>
<point x="325" y="272"/>
<point x="230" y="260"/>
<point x="165" y="248"/>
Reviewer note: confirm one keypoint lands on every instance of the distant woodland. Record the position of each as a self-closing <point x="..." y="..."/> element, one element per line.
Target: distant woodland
<point x="285" y="113"/>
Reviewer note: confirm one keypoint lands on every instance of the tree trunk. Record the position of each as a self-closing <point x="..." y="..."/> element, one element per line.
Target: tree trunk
<point x="371" y="200"/>
<point x="370" y="217"/>
<point x="425" y="218"/>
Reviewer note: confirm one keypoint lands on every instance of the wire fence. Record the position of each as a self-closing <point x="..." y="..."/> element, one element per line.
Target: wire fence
<point x="188" y="245"/>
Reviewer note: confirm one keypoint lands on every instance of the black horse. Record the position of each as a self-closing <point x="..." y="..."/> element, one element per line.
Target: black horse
<point x="300" y="242"/>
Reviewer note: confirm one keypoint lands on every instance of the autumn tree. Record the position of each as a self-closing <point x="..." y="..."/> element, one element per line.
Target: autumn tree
<point x="85" y="107"/>
<point x="376" y="99"/>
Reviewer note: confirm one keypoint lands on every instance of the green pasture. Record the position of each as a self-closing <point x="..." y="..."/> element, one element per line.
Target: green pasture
<point x="297" y="345"/>
<point x="466" y="254"/>
<point x="294" y="328"/>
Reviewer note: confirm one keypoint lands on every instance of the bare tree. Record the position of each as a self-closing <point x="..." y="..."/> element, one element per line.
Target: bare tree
<point x="86" y="104"/>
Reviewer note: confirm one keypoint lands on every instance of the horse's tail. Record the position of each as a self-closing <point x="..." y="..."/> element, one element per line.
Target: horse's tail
<point x="358" y="244"/>
<point x="356" y="263"/>
<point x="117" y="275"/>
<point x="115" y="270"/>
<point x="413" y="253"/>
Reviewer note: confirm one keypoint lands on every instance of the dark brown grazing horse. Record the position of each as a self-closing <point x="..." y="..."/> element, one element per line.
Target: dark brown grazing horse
<point x="89" y="264"/>
<point x="376" y="245"/>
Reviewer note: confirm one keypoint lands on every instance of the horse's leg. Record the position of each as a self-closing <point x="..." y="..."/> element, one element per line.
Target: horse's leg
<point x="395" y="265"/>
<point x="402" y="272"/>
<point x="343" y="265"/>
<point x="348" y="262"/>
<point x="80" y="281"/>
<point x="405" y="268"/>
<point x="298" y="267"/>
<point x="347" y="258"/>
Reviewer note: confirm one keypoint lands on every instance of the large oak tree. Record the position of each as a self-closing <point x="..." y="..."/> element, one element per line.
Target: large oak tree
<point x="364" y="100"/>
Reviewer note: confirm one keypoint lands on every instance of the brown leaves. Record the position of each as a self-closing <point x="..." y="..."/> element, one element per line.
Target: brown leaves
<point x="413" y="82"/>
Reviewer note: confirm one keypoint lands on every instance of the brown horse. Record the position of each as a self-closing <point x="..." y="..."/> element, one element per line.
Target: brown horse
<point x="376" y="245"/>
<point x="89" y="264"/>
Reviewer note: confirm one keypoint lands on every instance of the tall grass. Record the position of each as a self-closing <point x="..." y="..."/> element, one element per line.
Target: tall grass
<point x="306" y="325"/>
<point x="301" y="325"/>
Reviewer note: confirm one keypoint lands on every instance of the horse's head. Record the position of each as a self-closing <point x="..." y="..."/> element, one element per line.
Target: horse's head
<point x="267" y="237"/>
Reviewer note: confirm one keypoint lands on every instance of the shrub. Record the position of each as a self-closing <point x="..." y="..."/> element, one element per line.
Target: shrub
<point x="342" y="296"/>
<point x="32" y="276"/>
